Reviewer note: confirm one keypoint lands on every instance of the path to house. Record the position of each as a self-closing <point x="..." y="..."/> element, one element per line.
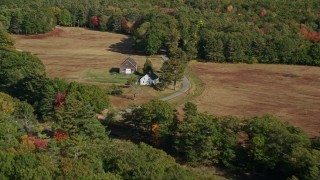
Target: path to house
<point x="186" y="85"/>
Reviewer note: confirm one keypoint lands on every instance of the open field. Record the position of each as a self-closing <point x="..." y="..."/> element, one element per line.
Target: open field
<point x="68" y="52"/>
<point x="292" y="93"/>
<point x="77" y="54"/>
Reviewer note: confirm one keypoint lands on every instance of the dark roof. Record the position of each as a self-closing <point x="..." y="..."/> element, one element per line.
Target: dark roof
<point x="131" y="61"/>
<point x="153" y="76"/>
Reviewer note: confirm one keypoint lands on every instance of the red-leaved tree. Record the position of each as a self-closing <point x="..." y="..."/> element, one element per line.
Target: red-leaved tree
<point x="60" y="136"/>
<point x="60" y="98"/>
<point x="94" y="21"/>
<point x="263" y="12"/>
<point x="262" y="30"/>
<point x="313" y="36"/>
<point x="126" y="25"/>
<point x="38" y="143"/>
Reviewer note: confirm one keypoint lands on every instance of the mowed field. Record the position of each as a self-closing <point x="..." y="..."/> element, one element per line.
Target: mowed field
<point x="291" y="93"/>
<point x="67" y="52"/>
<point x="77" y="54"/>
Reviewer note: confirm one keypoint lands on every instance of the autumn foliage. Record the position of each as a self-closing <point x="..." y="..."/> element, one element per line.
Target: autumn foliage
<point x="60" y="136"/>
<point x="126" y="25"/>
<point x="263" y="12"/>
<point x="262" y="30"/>
<point x="155" y="134"/>
<point x="94" y="21"/>
<point x="40" y="144"/>
<point x="313" y="36"/>
<point x="230" y="8"/>
<point x="37" y="143"/>
<point x="60" y="98"/>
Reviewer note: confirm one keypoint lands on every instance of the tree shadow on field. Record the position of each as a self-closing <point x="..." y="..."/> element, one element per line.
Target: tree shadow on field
<point x="114" y="70"/>
<point x="125" y="46"/>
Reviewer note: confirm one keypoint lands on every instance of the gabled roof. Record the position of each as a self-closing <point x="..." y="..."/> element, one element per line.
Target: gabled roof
<point x="131" y="61"/>
<point x="153" y="76"/>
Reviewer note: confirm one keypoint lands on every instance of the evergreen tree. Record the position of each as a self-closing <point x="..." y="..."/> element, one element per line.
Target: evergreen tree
<point x="172" y="71"/>
<point x="315" y="54"/>
<point x="147" y="67"/>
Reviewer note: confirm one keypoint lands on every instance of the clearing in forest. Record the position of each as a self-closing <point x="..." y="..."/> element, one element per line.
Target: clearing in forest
<point x="78" y="54"/>
<point x="289" y="92"/>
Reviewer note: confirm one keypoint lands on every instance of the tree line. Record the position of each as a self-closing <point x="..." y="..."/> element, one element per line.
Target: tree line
<point x="220" y="31"/>
<point x="259" y="147"/>
<point x="78" y="149"/>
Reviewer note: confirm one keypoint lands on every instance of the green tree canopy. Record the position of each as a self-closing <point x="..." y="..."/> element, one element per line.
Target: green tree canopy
<point x="6" y="42"/>
<point x="315" y="53"/>
<point x="172" y="71"/>
<point x="6" y="105"/>
<point x="155" y="118"/>
<point x="15" y="67"/>
<point x="64" y="18"/>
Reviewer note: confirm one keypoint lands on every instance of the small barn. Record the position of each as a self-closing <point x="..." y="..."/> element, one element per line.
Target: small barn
<point x="149" y="79"/>
<point x="129" y="66"/>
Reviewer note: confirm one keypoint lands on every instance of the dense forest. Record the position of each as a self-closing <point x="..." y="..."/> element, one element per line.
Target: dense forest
<point x="263" y="31"/>
<point x="49" y="128"/>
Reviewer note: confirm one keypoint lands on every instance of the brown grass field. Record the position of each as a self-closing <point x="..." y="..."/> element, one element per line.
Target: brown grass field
<point x="291" y="93"/>
<point x="70" y="53"/>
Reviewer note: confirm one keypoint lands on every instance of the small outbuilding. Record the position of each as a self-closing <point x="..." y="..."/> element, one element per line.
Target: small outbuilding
<point x="149" y="79"/>
<point x="129" y="66"/>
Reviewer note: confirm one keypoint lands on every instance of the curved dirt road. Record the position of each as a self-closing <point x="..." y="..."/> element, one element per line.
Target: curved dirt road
<point x="185" y="87"/>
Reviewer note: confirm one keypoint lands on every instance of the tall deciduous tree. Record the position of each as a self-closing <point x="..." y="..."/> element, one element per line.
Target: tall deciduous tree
<point x="153" y="43"/>
<point x="6" y="42"/>
<point x="16" y="67"/>
<point x="24" y="113"/>
<point x="4" y="22"/>
<point x="104" y="23"/>
<point x="212" y="47"/>
<point x="172" y="71"/>
<point x="272" y="143"/>
<point x="64" y="18"/>
<point x="155" y="113"/>
<point x="94" y="21"/>
<point x="6" y="105"/>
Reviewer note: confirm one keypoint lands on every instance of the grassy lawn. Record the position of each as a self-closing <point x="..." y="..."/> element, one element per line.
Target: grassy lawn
<point x="99" y="76"/>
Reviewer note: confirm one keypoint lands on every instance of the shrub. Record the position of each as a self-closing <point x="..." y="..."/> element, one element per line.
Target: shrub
<point x="115" y="90"/>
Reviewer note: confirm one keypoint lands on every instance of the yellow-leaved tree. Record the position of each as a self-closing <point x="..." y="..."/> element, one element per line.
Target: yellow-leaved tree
<point x="6" y="105"/>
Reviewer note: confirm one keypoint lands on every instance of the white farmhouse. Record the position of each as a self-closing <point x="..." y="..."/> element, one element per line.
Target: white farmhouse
<point x="149" y="79"/>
